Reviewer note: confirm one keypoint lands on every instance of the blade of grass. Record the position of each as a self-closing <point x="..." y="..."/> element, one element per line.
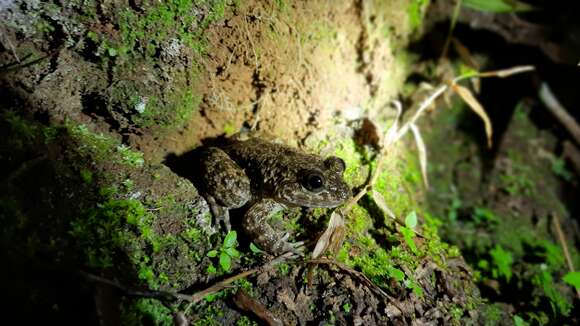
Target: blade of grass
<point x="474" y="104"/>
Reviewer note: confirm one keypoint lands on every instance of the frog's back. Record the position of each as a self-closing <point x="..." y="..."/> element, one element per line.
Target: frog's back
<point x="269" y="162"/>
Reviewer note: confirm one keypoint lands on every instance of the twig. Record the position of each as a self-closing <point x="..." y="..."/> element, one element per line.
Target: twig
<point x="198" y="296"/>
<point x="25" y="166"/>
<point x="559" y="112"/>
<point x="126" y="290"/>
<point x="456" y="11"/>
<point x="359" y="275"/>
<point x="247" y="303"/>
<point x="12" y="48"/>
<point x="192" y="298"/>
<point x="564" y="246"/>
<point x="247" y="30"/>
<point x="571" y="152"/>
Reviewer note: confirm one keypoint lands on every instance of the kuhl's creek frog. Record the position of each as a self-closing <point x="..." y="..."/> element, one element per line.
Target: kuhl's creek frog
<point x="269" y="177"/>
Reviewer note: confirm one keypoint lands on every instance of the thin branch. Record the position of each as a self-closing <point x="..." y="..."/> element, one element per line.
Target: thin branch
<point x="198" y="296"/>
<point x="24" y="167"/>
<point x="358" y="275"/>
<point x="564" y="245"/>
<point x="456" y="11"/>
<point x="247" y="303"/>
<point x="559" y="112"/>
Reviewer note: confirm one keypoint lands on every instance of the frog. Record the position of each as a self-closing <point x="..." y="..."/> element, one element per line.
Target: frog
<point x="268" y="177"/>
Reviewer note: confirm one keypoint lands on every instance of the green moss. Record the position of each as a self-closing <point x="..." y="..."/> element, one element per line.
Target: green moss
<point x="493" y="315"/>
<point x="378" y="265"/>
<point x="354" y="174"/>
<point x="245" y="321"/>
<point x="246" y="285"/>
<point x="397" y="183"/>
<point x="415" y="11"/>
<point x="146" y="311"/>
<point x="173" y="111"/>
<point x="143" y="34"/>
<point x="210" y="317"/>
<point x="164" y="30"/>
<point x="116" y="227"/>
<point x="101" y="147"/>
<point x="22" y="132"/>
<point x="87" y="176"/>
<point x="229" y="128"/>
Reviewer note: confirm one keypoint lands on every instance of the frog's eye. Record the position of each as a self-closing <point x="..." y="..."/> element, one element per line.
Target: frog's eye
<point x="313" y="181"/>
<point x="335" y="163"/>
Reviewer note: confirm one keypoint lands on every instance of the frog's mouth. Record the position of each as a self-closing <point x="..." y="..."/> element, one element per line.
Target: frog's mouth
<point x="294" y="194"/>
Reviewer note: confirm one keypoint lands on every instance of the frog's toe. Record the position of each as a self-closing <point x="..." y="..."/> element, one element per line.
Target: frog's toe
<point x="297" y="248"/>
<point x="284" y="246"/>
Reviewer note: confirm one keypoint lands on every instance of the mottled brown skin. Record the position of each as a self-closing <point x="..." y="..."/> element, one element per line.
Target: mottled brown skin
<point x="269" y="177"/>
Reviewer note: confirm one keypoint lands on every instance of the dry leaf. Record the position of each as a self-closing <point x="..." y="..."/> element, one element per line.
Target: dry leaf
<point x="333" y="234"/>
<point x="474" y="104"/>
<point x="464" y="54"/>
<point x="382" y="204"/>
<point x="507" y="72"/>
<point x="422" y="153"/>
<point x="424" y="105"/>
<point x="391" y="135"/>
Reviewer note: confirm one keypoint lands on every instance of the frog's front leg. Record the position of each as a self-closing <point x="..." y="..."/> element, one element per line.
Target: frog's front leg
<point x="256" y="223"/>
<point x="224" y="184"/>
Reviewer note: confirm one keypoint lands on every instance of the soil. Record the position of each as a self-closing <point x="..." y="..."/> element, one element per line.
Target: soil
<point x="278" y="73"/>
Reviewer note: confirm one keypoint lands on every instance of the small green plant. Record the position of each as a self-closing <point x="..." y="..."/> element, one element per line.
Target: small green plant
<point x="454" y="209"/>
<point x="573" y="278"/>
<point x="497" y="6"/>
<point x="519" y="321"/>
<point x="255" y="249"/>
<point x="559" y="303"/>
<point x="284" y="269"/>
<point x="130" y="156"/>
<point x="502" y="263"/>
<point x="227" y="252"/>
<point x="245" y="321"/>
<point x="559" y="169"/>
<point x="347" y="307"/>
<point x="87" y="176"/>
<point x="482" y="215"/>
<point x="408" y="233"/>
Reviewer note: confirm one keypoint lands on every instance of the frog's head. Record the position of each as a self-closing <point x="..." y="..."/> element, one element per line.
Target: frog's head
<point x="316" y="185"/>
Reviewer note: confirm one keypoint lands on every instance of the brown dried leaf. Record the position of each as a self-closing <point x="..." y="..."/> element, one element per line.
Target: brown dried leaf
<point x="507" y="72"/>
<point x="474" y="104"/>
<point x="464" y="54"/>
<point x="332" y="236"/>
<point x="391" y="134"/>
<point x="422" y="153"/>
<point x="382" y="204"/>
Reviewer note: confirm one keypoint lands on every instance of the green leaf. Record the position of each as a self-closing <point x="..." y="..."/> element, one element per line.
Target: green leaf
<point x="112" y="52"/>
<point x="225" y="261"/>
<point x="503" y="261"/>
<point x="573" y="278"/>
<point x="415" y="287"/>
<point x="484" y="215"/>
<point x="255" y="249"/>
<point x="411" y="220"/>
<point x="408" y="235"/>
<point x="232" y="252"/>
<point x="498" y="6"/>
<point x="397" y="274"/>
<point x="230" y="239"/>
<point x="212" y="253"/>
<point x="211" y="269"/>
<point x="519" y="321"/>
